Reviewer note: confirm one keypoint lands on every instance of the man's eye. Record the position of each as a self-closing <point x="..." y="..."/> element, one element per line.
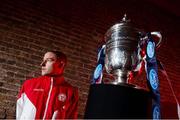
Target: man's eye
<point x="50" y="60"/>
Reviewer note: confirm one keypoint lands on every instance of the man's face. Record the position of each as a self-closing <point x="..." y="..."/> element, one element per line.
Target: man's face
<point x="51" y="65"/>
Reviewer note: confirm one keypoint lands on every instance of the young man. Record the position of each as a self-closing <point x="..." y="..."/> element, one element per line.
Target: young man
<point x="48" y="96"/>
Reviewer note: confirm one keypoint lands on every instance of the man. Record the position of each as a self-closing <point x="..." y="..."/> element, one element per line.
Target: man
<point x="48" y="96"/>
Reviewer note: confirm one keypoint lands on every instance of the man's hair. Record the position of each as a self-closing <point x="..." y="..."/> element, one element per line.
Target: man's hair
<point x="60" y="56"/>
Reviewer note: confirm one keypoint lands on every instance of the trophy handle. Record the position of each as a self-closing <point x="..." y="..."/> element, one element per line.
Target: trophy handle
<point x="157" y="34"/>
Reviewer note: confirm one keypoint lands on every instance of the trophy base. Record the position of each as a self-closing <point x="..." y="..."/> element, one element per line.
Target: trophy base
<point x="107" y="101"/>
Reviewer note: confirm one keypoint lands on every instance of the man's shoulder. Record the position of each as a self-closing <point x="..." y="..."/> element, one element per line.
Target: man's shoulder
<point x="34" y="80"/>
<point x="68" y="85"/>
<point x="73" y="89"/>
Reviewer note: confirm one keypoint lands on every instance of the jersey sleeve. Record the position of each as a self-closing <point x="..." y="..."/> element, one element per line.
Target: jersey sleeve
<point x="20" y="103"/>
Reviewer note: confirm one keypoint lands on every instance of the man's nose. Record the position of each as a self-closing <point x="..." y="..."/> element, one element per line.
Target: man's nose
<point x="43" y="63"/>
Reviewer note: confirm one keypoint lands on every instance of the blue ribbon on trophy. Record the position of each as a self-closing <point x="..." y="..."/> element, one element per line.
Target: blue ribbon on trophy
<point x="151" y="68"/>
<point x="98" y="72"/>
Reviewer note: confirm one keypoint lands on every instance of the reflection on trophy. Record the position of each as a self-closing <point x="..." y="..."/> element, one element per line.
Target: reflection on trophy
<point x="122" y="50"/>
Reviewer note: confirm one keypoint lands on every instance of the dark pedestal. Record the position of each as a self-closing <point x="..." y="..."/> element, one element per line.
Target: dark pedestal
<point x="117" y="101"/>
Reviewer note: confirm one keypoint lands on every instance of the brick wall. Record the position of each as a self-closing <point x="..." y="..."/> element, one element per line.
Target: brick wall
<point x="29" y="28"/>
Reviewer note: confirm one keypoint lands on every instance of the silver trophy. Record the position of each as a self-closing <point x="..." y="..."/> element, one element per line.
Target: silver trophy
<point x="122" y="50"/>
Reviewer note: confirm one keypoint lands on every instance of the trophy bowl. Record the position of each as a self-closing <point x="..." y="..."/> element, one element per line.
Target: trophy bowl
<point x="122" y="41"/>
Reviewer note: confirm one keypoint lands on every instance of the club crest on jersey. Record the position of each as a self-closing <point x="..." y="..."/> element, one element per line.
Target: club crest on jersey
<point x="62" y="97"/>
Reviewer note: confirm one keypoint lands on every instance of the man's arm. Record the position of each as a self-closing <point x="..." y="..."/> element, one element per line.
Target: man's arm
<point x="20" y="103"/>
<point x="73" y="110"/>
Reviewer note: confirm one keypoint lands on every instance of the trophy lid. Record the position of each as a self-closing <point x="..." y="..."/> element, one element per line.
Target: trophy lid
<point x="123" y="29"/>
<point x="124" y="19"/>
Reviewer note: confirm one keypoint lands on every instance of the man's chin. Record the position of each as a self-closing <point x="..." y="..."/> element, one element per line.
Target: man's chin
<point x="44" y="74"/>
<point x="47" y="74"/>
<point x="52" y="75"/>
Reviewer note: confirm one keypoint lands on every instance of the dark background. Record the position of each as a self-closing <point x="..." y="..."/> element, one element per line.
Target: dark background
<point x="29" y="28"/>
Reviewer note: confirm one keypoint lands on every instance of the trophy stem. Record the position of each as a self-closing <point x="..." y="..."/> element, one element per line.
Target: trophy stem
<point x="120" y="76"/>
